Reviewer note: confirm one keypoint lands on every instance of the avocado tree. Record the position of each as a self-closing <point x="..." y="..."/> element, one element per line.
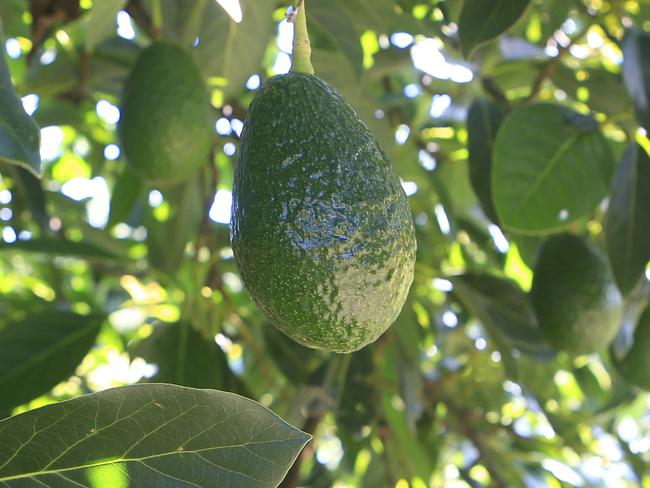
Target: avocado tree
<point x="477" y="169"/>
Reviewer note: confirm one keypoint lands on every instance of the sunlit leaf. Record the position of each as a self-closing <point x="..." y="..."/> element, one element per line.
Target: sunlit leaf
<point x="148" y="435"/>
<point x="543" y="154"/>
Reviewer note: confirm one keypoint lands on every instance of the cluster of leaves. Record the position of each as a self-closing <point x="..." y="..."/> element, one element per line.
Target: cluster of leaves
<point x="506" y="121"/>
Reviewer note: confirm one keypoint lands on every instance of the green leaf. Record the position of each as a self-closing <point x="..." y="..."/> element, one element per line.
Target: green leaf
<point x="100" y="22"/>
<point x="128" y="192"/>
<point x="503" y="308"/>
<point x="376" y="15"/>
<point x="333" y="19"/>
<point x="482" y="20"/>
<point x="184" y="357"/>
<point x="483" y="120"/>
<point x="148" y="435"/>
<point x="606" y="91"/>
<point x="544" y="155"/>
<point x="166" y="240"/>
<point x="627" y="227"/>
<point x="636" y="72"/>
<point x="58" y="247"/>
<point x="40" y="351"/>
<point x="234" y="51"/>
<point x="19" y="134"/>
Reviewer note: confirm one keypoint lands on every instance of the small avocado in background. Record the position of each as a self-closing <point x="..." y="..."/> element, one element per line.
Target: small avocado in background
<point x="321" y="228"/>
<point x="574" y="295"/>
<point x="165" y="124"/>
<point x="633" y="367"/>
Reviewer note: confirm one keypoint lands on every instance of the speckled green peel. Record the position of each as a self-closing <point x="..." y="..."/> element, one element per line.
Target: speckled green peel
<point x="165" y="125"/>
<point x="574" y="295"/>
<point x="634" y="366"/>
<point x="321" y="228"/>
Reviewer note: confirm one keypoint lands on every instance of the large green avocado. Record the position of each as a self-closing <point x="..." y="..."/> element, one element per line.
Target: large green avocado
<point x="165" y="123"/>
<point x="574" y="295"/>
<point x="634" y="366"/>
<point x="321" y="228"/>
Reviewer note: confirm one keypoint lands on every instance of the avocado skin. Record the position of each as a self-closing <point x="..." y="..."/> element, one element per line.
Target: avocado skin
<point x="574" y="295"/>
<point x="321" y="229"/>
<point x="165" y="123"/>
<point x="634" y="366"/>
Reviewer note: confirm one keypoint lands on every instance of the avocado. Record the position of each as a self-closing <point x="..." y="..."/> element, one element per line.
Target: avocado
<point x="634" y="365"/>
<point x="165" y="124"/>
<point x="574" y="295"/>
<point x="321" y="228"/>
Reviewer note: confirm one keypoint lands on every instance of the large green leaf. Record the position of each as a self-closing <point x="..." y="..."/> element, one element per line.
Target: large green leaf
<point x="148" y="435"/>
<point x="628" y="218"/>
<point x="40" y="351"/>
<point x="483" y="120"/>
<point x="551" y="167"/>
<point x="636" y="72"/>
<point x="503" y="308"/>
<point x="482" y="20"/>
<point x="19" y="134"/>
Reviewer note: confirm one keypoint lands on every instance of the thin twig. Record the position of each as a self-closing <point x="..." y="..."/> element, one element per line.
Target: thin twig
<point x="141" y="18"/>
<point x="550" y="67"/>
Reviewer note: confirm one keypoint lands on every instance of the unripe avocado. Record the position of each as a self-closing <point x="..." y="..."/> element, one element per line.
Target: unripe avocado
<point x="634" y="366"/>
<point x="321" y="228"/>
<point x="574" y="295"/>
<point x="165" y="123"/>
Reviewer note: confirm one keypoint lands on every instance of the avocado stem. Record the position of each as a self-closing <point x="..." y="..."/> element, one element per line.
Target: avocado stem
<point x="301" y="62"/>
<point x="156" y="19"/>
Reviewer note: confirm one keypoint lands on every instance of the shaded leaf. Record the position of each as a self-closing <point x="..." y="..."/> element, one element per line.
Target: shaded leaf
<point x="297" y="362"/>
<point x="127" y="194"/>
<point x="636" y="72"/>
<point x="19" y="134"/>
<point x="166" y="240"/>
<point x="184" y="357"/>
<point x="376" y="15"/>
<point x="482" y="20"/>
<point x="483" y="120"/>
<point x="58" y="247"/>
<point x="230" y="50"/>
<point x="149" y="435"/>
<point x="334" y="20"/>
<point x="627" y="226"/>
<point x="503" y="308"/>
<point x="29" y="191"/>
<point x="100" y="22"/>
<point x="543" y="153"/>
<point x="40" y="351"/>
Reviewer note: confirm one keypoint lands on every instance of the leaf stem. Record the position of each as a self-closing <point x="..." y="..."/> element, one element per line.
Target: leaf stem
<point x="156" y="18"/>
<point x="301" y="45"/>
<point x="193" y="21"/>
